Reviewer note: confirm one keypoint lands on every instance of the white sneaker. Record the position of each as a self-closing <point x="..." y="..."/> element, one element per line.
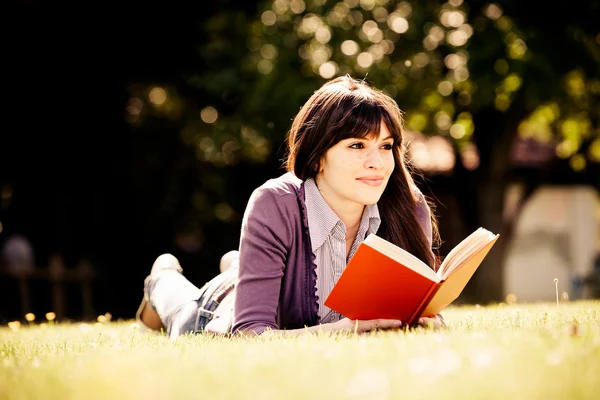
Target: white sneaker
<point x="164" y="262"/>
<point x="228" y="260"/>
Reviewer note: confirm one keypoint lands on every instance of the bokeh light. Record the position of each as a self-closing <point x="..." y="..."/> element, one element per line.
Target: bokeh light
<point x="328" y="69"/>
<point x="593" y="152"/>
<point x="349" y="47"/>
<point x="323" y="34"/>
<point x="397" y="23"/>
<point x="493" y="11"/>
<point x="264" y="66"/>
<point x="297" y="6"/>
<point x="157" y="96"/>
<point x="443" y="120"/>
<point x="445" y="88"/>
<point x="268" y="51"/>
<point x="209" y="115"/>
<point x="457" y="131"/>
<point x="364" y="60"/>
<point x="433" y="155"/>
<point x="268" y="18"/>
<point x="470" y="156"/>
<point x="135" y="106"/>
<point x="501" y="66"/>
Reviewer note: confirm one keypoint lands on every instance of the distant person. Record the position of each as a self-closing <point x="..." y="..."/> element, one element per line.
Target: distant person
<point x="17" y="255"/>
<point x="346" y="178"/>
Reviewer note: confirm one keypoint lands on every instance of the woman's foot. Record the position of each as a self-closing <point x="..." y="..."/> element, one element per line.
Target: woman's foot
<point x="228" y="260"/>
<point x="146" y="314"/>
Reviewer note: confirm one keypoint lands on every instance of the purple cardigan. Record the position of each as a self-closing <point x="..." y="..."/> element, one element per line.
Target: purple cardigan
<point x="277" y="270"/>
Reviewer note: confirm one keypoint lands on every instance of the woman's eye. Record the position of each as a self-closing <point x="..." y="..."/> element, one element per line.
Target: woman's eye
<point x="356" y="146"/>
<point x="388" y="146"/>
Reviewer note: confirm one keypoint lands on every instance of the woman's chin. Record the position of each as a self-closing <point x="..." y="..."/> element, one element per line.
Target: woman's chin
<point x="368" y="201"/>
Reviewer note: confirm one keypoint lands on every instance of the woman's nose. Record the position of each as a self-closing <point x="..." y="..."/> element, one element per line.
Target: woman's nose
<point x="374" y="160"/>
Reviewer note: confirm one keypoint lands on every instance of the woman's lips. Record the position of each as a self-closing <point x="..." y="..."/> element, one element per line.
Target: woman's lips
<point x="371" y="180"/>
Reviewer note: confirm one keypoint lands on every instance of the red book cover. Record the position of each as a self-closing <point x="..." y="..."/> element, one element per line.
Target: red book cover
<point x="377" y="286"/>
<point x="379" y="283"/>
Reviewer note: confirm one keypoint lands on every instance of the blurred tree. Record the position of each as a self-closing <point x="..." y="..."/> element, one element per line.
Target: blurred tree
<point x="480" y="75"/>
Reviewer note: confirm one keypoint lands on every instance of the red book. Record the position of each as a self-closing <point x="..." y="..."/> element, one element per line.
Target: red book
<point x="383" y="280"/>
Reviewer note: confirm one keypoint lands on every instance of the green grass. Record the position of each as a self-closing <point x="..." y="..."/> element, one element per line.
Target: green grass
<point x="525" y="351"/>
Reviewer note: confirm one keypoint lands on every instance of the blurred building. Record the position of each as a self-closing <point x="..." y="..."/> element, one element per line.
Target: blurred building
<point x="556" y="233"/>
<point x="556" y="237"/>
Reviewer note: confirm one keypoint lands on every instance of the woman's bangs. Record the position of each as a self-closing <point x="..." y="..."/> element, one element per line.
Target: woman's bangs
<point x="360" y="121"/>
<point x="364" y="121"/>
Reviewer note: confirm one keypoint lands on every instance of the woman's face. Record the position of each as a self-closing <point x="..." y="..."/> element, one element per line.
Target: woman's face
<point x="354" y="172"/>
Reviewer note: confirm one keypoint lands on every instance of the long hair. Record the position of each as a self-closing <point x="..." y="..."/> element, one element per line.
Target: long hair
<point x="348" y="108"/>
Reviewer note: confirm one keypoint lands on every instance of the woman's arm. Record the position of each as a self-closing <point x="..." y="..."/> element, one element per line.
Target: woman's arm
<point x="266" y="235"/>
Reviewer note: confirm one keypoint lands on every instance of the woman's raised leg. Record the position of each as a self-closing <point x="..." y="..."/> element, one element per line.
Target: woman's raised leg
<point x="170" y="299"/>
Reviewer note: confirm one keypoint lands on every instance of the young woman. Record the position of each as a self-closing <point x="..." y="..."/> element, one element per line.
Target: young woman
<point x="346" y="178"/>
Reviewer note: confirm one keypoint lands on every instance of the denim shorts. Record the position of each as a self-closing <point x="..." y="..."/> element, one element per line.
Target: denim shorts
<point x="213" y="292"/>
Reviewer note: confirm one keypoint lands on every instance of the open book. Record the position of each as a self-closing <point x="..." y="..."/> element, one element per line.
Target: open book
<point x="383" y="280"/>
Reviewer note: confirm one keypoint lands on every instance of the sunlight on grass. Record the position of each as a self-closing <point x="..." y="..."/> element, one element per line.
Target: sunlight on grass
<point x="496" y="352"/>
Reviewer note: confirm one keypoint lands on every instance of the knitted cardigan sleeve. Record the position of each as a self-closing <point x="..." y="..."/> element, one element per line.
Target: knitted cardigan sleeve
<point x="264" y="240"/>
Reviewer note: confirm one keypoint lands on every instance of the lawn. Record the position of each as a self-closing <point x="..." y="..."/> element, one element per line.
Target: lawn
<point x="524" y="351"/>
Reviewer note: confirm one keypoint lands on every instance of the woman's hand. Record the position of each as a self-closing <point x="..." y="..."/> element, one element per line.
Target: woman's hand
<point x="432" y="322"/>
<point x="361" y="326"/>
<point x="343" y="325"/>
<point x="358" y="326"/>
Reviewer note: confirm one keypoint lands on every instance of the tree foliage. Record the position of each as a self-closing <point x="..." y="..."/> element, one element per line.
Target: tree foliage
<point x="477" y="74"/>
<point x="442" y="62"/>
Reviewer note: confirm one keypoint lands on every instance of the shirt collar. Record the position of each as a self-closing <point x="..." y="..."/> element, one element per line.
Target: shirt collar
<point x="322" y="220"/>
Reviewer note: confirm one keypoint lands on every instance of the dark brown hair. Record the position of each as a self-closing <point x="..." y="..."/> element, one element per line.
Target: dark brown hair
<point x="348" y="108"/>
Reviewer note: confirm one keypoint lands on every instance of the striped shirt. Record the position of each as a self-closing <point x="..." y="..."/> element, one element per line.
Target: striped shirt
<point x="327" y="236"/>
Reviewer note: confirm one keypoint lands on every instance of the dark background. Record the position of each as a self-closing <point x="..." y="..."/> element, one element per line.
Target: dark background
<point x="86" y="185"/>
<point x="67" y="149"/>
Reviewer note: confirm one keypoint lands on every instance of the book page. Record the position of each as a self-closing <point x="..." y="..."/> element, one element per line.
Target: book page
<point x="465" y="250"/>
<point x="453" y="286"/>
<point x="403" y="256"/>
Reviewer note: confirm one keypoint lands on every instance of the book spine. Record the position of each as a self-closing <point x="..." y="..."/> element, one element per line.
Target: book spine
<point x="426" y="299"/>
